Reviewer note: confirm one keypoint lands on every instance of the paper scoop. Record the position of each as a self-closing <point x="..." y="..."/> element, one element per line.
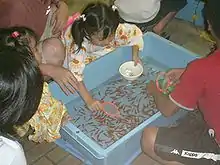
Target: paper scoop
<point x="111" y="109"/>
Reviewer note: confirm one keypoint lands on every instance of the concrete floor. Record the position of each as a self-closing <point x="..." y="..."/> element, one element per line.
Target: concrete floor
<point x="188" y="36"/>
<point x="181" y="32"/>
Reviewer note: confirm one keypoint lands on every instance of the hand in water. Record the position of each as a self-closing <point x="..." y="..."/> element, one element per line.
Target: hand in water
<point x="95" y="105"/>
<point x="174" y="75"/>
<point x="137" y="60"/>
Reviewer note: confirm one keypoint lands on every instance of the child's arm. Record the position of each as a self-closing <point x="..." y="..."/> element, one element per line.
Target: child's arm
<point x="186" y="93"/>
<point x="135" y="54"/>
<point x="76" y="64"/>
<point x="130" y="35"/>
<point x="163" y="103"/>
<point x="90" y="102"/>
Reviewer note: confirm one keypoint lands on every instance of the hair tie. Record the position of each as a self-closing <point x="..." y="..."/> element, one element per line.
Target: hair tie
<point x="114" y="7"/>
<point x="15" y="34"/>
<point x="83" y="17"/>
<point x="71" y="20"/>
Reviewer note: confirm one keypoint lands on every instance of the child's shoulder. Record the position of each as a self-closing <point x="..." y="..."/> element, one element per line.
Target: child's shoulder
<point x="212" y="59"/>
<point x="206" y="63"/>
<point x="124" y="28"/>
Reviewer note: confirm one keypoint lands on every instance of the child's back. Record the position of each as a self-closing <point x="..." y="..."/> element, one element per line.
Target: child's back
<point x="200" y="83"/>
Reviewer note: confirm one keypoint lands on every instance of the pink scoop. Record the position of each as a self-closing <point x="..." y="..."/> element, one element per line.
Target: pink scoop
<point x="111" y="109"/>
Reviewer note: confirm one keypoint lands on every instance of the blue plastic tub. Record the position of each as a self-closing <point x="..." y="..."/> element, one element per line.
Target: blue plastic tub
<point x="123" y="151"/>
<point x="194" y="7"/>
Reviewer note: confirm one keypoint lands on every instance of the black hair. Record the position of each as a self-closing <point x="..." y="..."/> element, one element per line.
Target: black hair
<point x="21" y="85"/>
<point x="211" y="13"/>
<point x="99" y="17"/>
<point x="21" y="41"/>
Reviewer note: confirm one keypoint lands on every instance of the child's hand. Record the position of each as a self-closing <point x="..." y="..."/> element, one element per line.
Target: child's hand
<point x="151" y="87"/>
<point x="65" y="79"/>
<point x="137" y="60"/>
<point x="91" y="103"/>
<point x="174" y="75"/>
<point x="95" y="105"/>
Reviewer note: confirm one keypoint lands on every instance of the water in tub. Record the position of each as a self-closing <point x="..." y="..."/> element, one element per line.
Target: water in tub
<point x="131" y="98"/>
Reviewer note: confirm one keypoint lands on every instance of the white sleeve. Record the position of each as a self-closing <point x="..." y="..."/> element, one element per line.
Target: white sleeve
<point x="19" y="158"/>
<point x="12" y="152"/>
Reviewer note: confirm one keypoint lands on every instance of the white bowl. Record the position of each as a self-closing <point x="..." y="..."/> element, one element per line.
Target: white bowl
<point x="129" y="71"/>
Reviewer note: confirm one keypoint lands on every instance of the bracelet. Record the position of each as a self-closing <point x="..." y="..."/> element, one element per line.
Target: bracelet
<point x="168" y="84"/>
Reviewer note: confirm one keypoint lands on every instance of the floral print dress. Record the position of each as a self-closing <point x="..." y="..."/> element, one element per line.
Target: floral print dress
<point x="126" y="35"/>
<point x="47" y="121"/>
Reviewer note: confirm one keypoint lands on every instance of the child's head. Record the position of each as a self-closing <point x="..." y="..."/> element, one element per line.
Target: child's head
<point x="18" y="37"/>
<point x="21" y="86"/>
<point x="212" y="15"/>
<point x="98" y="23"/>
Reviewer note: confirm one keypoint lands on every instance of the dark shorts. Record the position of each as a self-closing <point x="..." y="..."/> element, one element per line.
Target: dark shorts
<point x="189" y="142"/>
<point x="167" y="6"/>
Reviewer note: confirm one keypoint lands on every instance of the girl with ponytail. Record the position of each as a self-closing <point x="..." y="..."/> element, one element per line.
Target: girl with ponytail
<point x="94" y="33"/>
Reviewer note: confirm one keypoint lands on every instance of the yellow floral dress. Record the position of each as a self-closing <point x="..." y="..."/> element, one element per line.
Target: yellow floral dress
<point x="47" y="121"/>
<point x="126" y="35"/>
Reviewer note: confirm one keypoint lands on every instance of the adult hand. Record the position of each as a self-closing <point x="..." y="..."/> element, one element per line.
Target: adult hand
<point x="65" y="78"/>
<point x="60" y="17"/>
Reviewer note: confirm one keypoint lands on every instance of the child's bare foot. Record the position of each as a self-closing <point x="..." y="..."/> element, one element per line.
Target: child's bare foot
<point x="66" y="119"/>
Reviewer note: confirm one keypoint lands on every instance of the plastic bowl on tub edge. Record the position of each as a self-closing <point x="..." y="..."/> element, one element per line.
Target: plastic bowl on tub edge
<point x="136" y="70"/>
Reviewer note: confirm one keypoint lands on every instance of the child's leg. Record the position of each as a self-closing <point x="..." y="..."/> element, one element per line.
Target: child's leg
<point x="148" y="143"/>
<point x="167" y="12"/>
<point x="162" y="24"/>
<point x="188" y="143"/>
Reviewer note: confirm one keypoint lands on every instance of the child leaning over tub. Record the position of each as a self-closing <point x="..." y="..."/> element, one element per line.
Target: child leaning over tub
<point x="51" y="113"/>
<point x="93" y="34"/>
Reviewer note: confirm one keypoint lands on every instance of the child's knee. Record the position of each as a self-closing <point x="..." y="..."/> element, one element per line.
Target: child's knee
<point x="148" y="139"/>
<point x="53" y="51"/>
